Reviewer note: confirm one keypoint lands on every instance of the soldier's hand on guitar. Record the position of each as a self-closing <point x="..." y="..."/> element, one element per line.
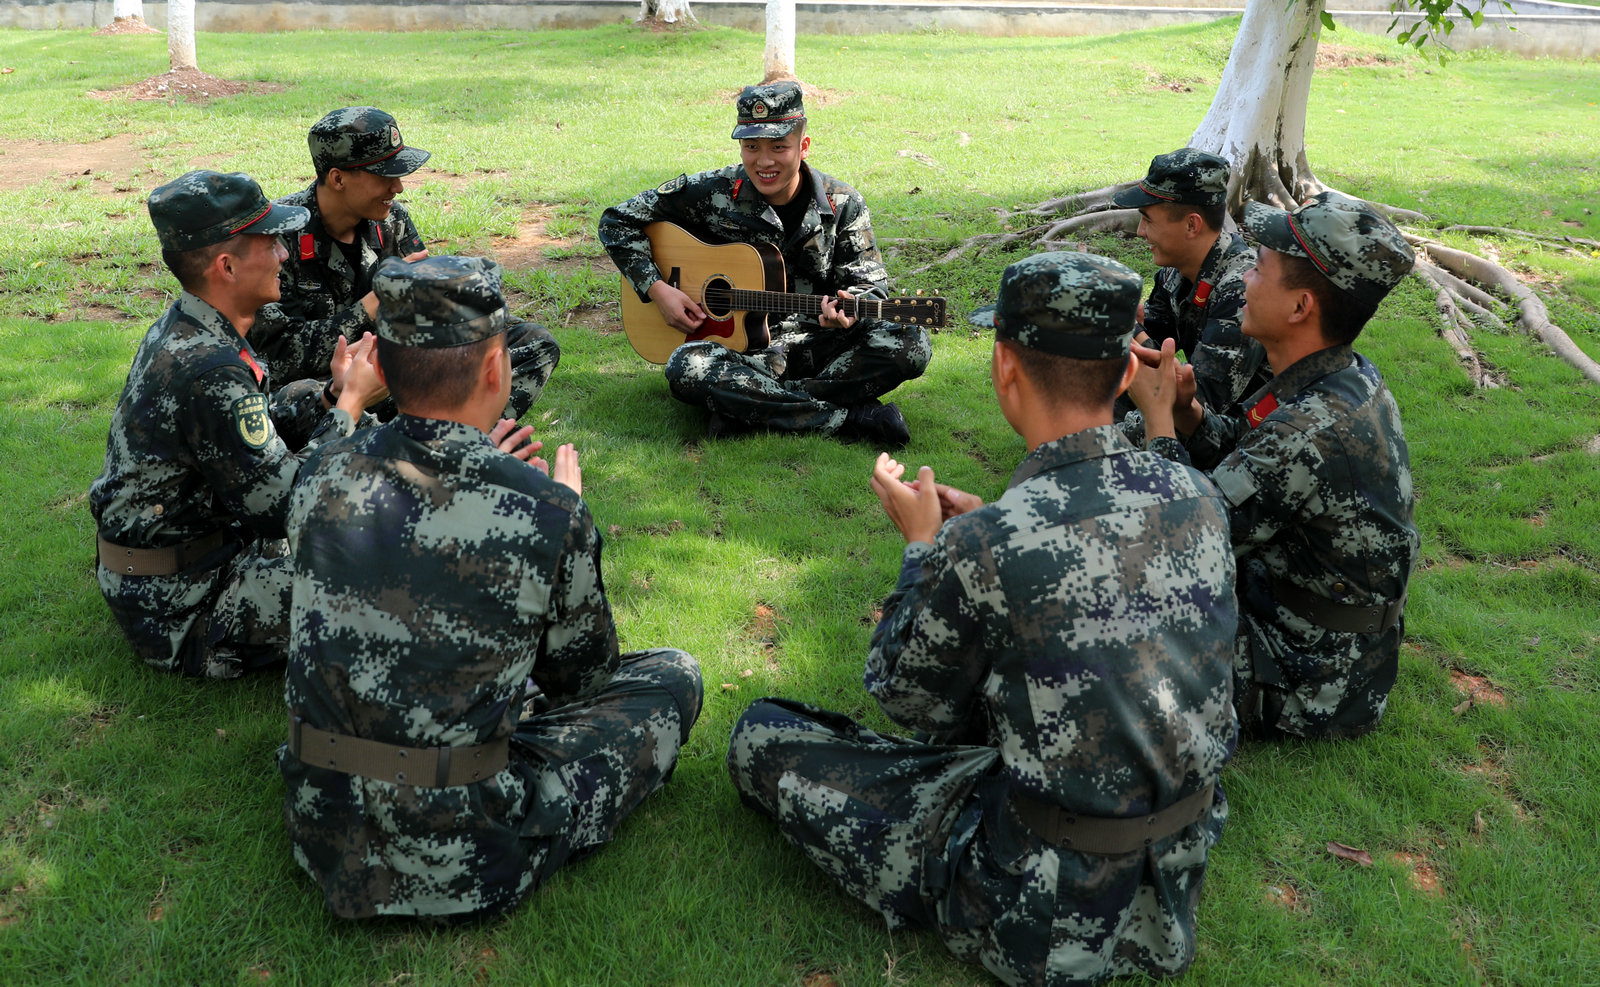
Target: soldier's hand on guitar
<point x="833" y="316"/>
<point x="677" y="308"/>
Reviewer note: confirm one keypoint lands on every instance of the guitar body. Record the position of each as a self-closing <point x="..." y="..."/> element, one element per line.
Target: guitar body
<point x="695" y="267"/>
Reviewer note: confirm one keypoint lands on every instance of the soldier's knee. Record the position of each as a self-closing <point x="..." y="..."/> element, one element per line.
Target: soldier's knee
<point x="678" y="674"/>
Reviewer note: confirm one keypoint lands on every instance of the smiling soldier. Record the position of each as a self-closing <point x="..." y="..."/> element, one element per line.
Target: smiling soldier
<point x="823" y="373"/>
<point x="361" y="160"/>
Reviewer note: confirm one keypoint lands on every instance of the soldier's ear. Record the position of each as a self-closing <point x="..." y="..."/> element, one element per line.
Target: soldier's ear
<point x="1128" y="374"/>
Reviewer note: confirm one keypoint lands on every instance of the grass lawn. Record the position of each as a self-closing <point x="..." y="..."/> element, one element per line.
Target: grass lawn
<point x="142" y="839"/>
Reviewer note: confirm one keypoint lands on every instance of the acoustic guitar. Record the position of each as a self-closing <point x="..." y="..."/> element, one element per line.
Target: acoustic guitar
<point x="738" y="285"/>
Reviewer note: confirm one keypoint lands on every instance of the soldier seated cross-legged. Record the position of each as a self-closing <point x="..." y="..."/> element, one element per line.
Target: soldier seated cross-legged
<point x="360" y="161"/>
<point x="1316" y="473"/>
<point x="191" y="504"/>
<point x="824" y="370"/>
<point x="1066" y="651"/>
<point x="461" y="723"/>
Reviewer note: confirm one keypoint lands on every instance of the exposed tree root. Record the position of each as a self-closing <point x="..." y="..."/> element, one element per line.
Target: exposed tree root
<point x="1576" y="241"/>
<point x="1531" y="311"/>
<point x="1465" y="285"/>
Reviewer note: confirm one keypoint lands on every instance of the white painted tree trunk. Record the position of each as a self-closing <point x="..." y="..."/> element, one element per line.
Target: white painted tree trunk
<point x="669" y="11"/>
<point x="127" y="8"/>
<point x="180" y="34"/>
<point x="1257" y="118"/>
<point x="778" y="62"/>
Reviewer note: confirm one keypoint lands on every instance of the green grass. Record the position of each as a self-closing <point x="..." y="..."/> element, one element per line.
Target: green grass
<point x="142" y="839"/>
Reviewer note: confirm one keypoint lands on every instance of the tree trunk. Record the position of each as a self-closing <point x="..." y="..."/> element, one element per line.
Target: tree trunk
<point x="180" y="34"/>
<point x="778" y="62"/>
<point x="123" y="9"/>
<point x="1257" y="119"/>
<point x="666" y="11"/>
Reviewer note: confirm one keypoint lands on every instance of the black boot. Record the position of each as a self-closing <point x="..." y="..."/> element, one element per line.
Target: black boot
<point x="880" y="424"/>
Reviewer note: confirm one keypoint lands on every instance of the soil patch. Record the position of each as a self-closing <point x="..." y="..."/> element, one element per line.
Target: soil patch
<point x="23" y="163"/>
<point x="1424" y="877"/>
<point x="127" y="25"/>
<point x="1340" y="57"/>
<point x="188" y="84"/>
<point x="1476" y="688"/>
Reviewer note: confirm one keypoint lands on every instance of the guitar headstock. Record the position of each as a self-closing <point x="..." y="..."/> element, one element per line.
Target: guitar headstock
<point x="915" y="310"/>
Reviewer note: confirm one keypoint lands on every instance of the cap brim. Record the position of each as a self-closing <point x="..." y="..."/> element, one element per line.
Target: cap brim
<point x="279" y="219"/>
<point x="400" y="164"/>
<point x="747" y="131"/>
<point x="982" y="316"/>
<point x="1269" y="227"/>
<point x="1134" y="197"/>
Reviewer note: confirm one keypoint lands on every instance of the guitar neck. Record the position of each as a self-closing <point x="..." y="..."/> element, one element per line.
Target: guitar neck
<point x="745" y="300"/>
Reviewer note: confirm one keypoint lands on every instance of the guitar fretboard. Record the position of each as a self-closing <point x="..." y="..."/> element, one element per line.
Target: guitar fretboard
<point x="743" y="300"/>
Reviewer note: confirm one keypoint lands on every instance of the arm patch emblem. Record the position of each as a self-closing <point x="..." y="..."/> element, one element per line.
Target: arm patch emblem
<point x="251" y="419"/>
<point x="672" y="185"/>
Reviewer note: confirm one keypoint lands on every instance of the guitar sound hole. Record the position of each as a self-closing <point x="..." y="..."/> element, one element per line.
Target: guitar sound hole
<point x="716" y="295"/>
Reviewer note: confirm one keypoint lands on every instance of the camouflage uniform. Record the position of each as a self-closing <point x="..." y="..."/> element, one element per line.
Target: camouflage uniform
<point x="1080" y="630"/>
<point x="433" y="575"/>
<point x="1317" y="477"/>
<point x="199" y="454"/>
<point x="1203" y="317"/>
<point x="822" y="371"/>
<point x="1228" y="365"/>
<point x="322" y="294"/>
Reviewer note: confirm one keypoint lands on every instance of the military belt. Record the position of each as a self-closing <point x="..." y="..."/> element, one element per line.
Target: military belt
<point x="1105" y="836"/>
<point x="420" y="767"/>
<point x="1334" y="616"/>
<point x="157" y="561"/>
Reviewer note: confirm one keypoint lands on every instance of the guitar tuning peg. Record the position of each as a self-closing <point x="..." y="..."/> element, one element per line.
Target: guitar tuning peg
<point x="919" y="292"/>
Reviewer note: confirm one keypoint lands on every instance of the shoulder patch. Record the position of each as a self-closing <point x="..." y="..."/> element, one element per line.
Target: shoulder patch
<point x="251" y="419"/>
<point x="672" y="185"/>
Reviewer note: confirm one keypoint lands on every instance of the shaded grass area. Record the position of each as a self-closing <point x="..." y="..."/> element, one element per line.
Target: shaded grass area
<point x="142" y="838"/>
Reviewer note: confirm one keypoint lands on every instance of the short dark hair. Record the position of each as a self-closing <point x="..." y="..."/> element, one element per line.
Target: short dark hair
<point x="190" y="266"/>
<point x="1214" y="216"/>
<point x="432" y="377"/>
<point x="1066" y="380"/>
<point x="1343" y="314"/>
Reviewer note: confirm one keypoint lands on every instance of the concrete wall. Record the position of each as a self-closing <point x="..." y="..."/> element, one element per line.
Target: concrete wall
<point x="1542" y="28"/>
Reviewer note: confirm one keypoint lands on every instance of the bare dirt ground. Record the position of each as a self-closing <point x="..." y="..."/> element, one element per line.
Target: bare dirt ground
<point x="191" y="85"/>
<point x="127" y="25"/>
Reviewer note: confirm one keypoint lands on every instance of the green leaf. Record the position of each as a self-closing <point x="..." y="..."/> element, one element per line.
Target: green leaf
<point x="1327" y="21"/>
<point x="1477" y="18"/>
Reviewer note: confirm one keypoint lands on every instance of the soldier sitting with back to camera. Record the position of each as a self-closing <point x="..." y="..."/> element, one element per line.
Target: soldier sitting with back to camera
<point x="1066" y="651"/>
<point x="461" y="723"/>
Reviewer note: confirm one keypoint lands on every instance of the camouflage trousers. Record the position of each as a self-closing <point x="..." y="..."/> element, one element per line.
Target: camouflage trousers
<point x="811" y="385"/>
<point x="471" y="852"/>
<point x="296" y="355"/>
<point x="922" y="833"/>
<point x="211" y="621"/>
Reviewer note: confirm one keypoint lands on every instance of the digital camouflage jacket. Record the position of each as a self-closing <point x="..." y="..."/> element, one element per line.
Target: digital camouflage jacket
<point x="832" y="250"/>
<point x="434" y="575"/>
<point x="1083" y="624"/>
<point x="1318" y="482"/>
<point x="321" y="295"/>
<point x="199" y="444"/>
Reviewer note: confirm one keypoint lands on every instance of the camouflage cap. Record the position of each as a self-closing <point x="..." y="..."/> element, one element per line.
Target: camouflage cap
<point x="773" y="110"/>
<point x="206" y="207"/>
<point x="362" y="137"/>
<point x="1187" y="175"/>
<point x="1354" y="247"/>
<point x="1070" y="304"/>
<point x="439" y="302"/>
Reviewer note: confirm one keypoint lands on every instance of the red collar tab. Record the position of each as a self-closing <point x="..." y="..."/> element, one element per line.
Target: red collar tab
<point x="308" y="247"/>
<point x="1261" y="409"/>
<point x="378" y="228"/>
<point x="1202" y="291"/>
<point x="737" y="183"/>
<point x="255" y="367"/>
